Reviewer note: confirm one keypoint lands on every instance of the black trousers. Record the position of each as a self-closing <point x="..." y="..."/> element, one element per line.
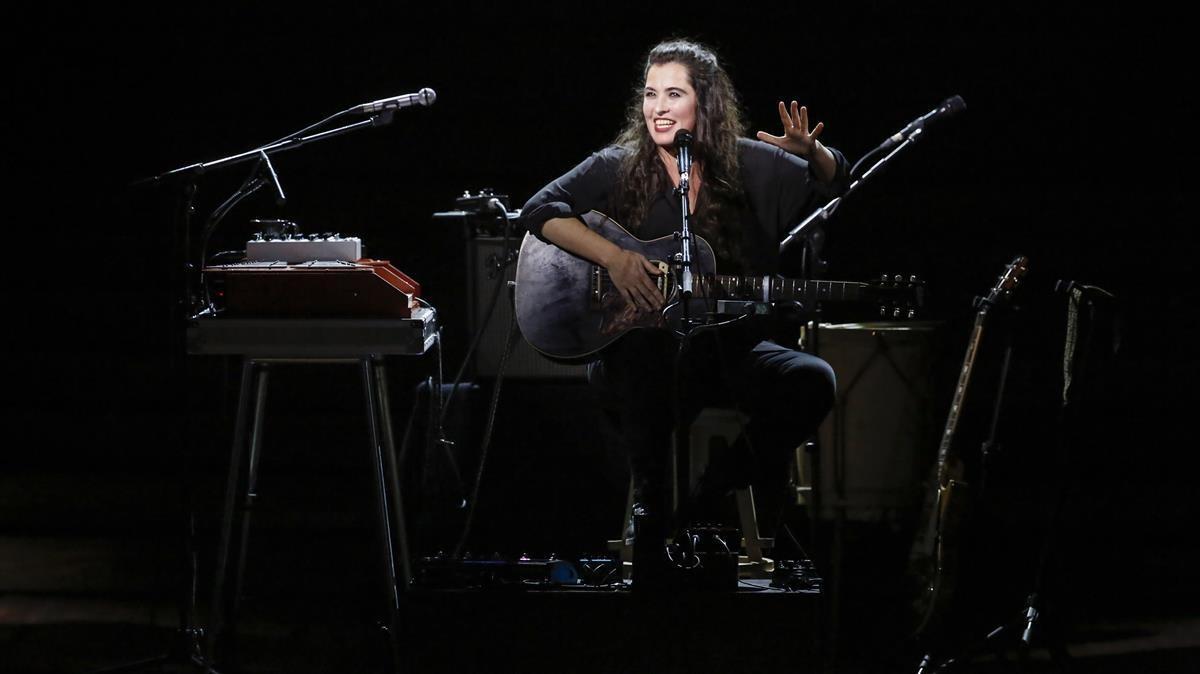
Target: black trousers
<point x="652" y="384"/>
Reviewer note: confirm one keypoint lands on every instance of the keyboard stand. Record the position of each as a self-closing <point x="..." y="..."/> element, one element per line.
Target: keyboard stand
<point x="267" y="343"/>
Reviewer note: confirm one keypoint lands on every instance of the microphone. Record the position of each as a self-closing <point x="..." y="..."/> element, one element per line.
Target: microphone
<point x="425" y="98"/>
<point x="948" y="108"/>
<point x="683" y="148"/>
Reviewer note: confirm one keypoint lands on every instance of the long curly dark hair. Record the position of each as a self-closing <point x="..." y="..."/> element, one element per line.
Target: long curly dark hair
<point x="719" y="124"/>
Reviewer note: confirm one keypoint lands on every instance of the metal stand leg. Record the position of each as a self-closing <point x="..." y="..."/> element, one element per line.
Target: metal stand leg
<point x="393" y="475"/>
<point x="224" y="604"/>
<point x="250" y="495"/>
<point x="248" y="432"/>
<point x="381" y="434"/>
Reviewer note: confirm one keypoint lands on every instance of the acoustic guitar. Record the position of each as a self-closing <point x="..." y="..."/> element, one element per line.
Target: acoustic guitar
<point x="568" y="309"/>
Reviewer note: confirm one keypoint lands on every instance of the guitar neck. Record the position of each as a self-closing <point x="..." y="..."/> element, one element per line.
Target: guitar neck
<point x="756" y="288"/>
<point x="775" y="289"/>
<point x="960" y="394"/>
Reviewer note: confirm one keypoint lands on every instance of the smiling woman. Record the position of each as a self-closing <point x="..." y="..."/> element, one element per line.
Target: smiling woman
<point x="669" y="102"/>
<point x="744" y="196"/>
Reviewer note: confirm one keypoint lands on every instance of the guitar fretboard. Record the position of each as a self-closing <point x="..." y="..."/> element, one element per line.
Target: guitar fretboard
<point x="757" y="288"/>
<point x="772" y="288"/>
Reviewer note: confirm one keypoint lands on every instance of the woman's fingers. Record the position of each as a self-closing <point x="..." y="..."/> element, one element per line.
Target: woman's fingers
<point x="765" y="137"/>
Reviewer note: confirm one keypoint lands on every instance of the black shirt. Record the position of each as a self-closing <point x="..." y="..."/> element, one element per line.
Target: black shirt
<point x="779" y="190"/>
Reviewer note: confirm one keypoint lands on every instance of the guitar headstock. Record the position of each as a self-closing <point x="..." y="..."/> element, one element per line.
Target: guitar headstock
<point x="900" y="296"/>
<point x="1007" y="282"/>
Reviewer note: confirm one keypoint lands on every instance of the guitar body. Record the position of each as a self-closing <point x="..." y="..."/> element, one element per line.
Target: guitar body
<point x="564" y="309"/>
<point x="934" y="561"/>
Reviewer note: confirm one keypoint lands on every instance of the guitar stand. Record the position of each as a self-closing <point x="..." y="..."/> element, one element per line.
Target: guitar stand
<point x="1025" y="623"/>
<point x="1031" y="612"/>
<point x="1032" y="621"/>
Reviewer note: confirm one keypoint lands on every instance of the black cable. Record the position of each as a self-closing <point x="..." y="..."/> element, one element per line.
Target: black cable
<point x="792" y="537"/>
<point x="487" y="436"/>
<point x="478" y="337"/>
<point x="435" y="401"/>
<point x="248" y="187"/>
<point x="296" y="134"/>
<point x="864" y="158"/>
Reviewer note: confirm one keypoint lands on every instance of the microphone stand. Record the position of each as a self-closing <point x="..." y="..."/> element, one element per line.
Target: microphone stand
<point x="683" y="264"/>
<point x="257" y="179"/>
<point x="807" y="230"/>
<point x="905" y="137"/>
<point x="823" y="213"/>
<point x="291" y="143"/>
<point x="683" y="259"/>
<point x="187" y="649"/>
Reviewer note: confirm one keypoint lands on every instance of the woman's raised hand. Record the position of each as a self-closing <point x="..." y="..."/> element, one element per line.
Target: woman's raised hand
<point x="796" y="138"/>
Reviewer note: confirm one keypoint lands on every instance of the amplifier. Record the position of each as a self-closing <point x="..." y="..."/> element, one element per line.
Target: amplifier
<point x="485" y="257"/>
<point x="875" y="443"/>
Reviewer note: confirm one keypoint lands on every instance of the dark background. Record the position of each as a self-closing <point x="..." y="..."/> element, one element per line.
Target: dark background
<point x="1068" y="152"/>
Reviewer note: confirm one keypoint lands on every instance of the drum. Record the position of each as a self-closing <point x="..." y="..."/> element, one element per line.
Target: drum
<point x="878" y="441"/>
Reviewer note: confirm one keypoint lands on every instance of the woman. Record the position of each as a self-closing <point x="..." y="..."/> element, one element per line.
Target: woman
<point x="744" y="196"/>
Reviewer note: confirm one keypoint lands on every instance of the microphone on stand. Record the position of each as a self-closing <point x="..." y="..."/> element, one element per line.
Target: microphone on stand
<point x="948" y="108"/>
<point x="424" y="98"/>
<point x="683" y="148"/>
<point x="683" y="153"/>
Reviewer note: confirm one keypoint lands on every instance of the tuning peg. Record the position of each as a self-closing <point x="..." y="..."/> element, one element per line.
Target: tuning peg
<point x="884" y="277"/>
<point x="913" y="279"/>
<point x="912" y="313"/>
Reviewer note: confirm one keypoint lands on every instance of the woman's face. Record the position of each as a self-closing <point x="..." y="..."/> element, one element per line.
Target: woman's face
<point x="669" y="102"/>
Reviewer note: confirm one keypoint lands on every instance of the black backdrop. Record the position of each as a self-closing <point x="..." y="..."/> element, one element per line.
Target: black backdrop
<point x="1067" y="152"/>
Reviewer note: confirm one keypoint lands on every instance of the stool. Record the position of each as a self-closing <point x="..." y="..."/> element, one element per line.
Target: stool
<point x="712" y="428"/>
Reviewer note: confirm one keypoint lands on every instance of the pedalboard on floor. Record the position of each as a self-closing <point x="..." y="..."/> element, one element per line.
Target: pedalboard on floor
<point x="444" y="573"/>
<point x="706" y="567"/>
